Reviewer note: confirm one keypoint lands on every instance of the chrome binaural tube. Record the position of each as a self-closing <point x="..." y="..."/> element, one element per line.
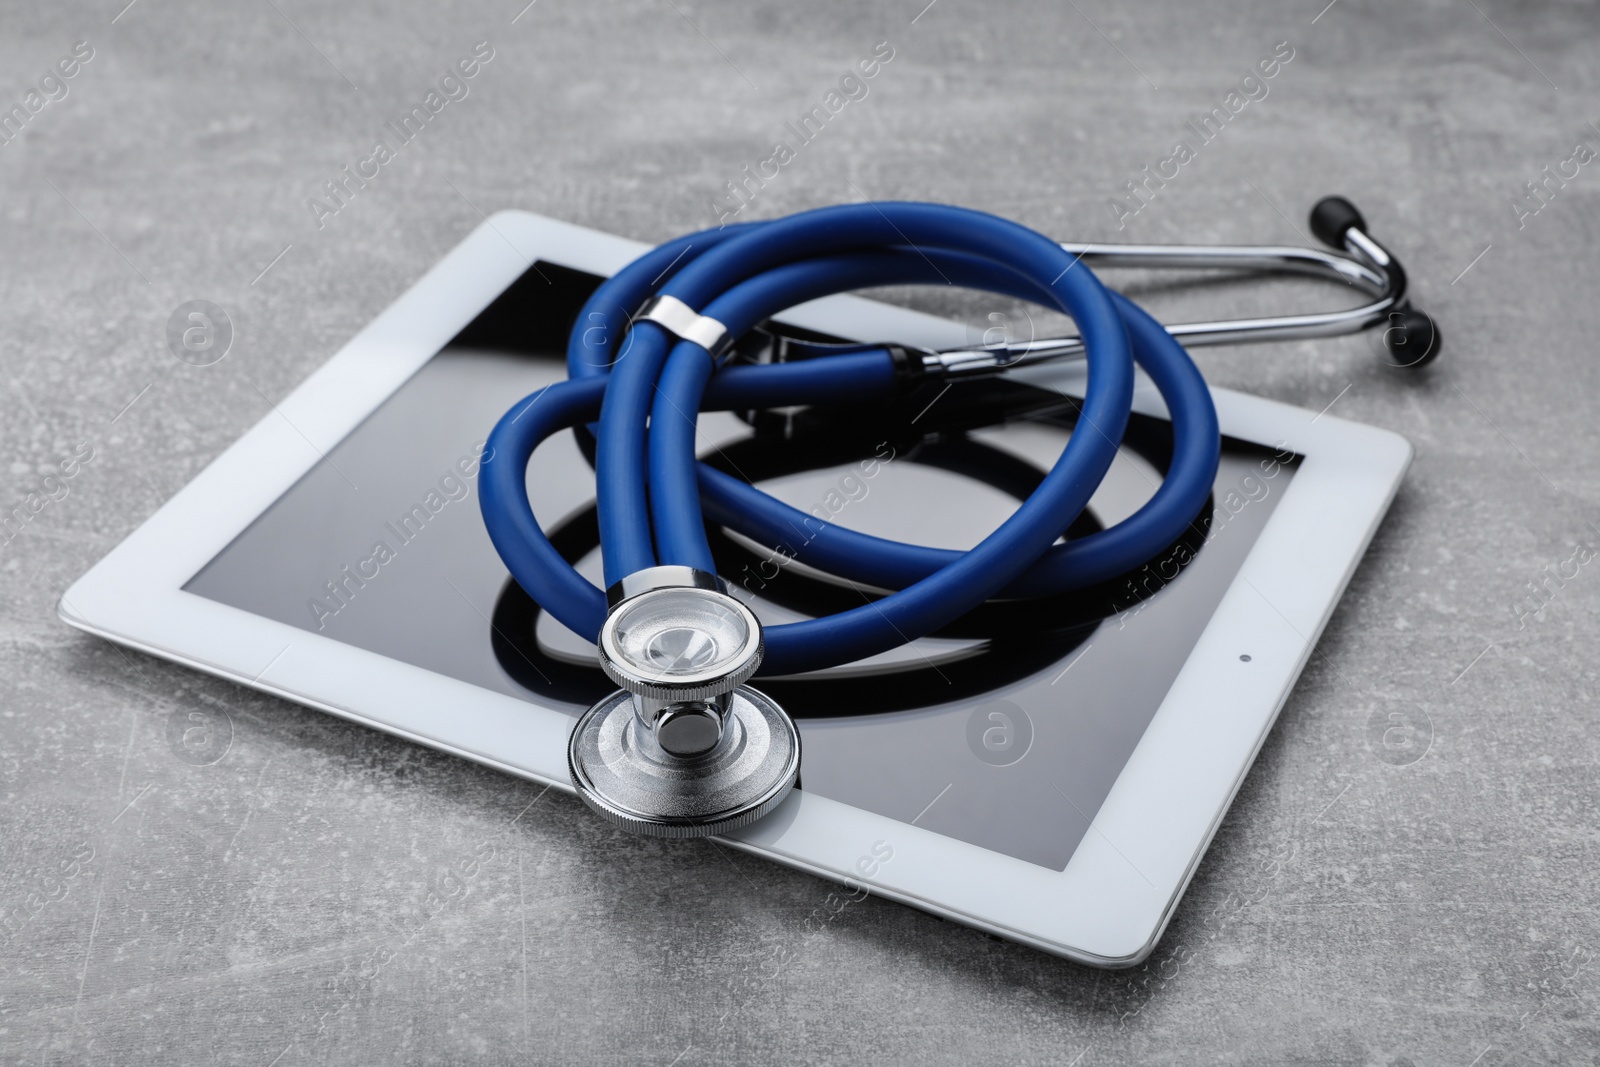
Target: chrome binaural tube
<point x="1368" y="266"/>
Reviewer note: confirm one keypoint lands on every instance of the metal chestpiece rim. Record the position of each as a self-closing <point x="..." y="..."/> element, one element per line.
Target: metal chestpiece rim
<point x="661" y="586"/>
<point x="622" y="775"/>
<point x="705" y="645"/>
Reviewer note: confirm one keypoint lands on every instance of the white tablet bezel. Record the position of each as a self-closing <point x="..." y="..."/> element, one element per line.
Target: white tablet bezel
<point x="1110" y="904"/>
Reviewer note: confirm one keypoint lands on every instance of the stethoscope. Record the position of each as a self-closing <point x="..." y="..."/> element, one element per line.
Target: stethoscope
<point x="685" y="747"/>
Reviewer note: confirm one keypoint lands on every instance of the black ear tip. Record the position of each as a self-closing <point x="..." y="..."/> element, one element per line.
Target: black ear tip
<point x="1412" y="338"/>
<point x="1331" y="217"/>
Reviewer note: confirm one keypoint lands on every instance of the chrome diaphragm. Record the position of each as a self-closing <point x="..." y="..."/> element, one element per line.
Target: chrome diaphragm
<point x="684" y="748"/>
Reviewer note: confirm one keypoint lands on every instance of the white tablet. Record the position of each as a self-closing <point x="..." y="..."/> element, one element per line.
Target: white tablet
<point x="1048" y="774"/>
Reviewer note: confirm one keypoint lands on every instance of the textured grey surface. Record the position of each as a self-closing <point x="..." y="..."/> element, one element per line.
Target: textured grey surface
<point x="274" y="907"/>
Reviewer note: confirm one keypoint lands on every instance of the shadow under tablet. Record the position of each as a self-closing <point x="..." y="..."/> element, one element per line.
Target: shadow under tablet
<point x="1005" y="730"/>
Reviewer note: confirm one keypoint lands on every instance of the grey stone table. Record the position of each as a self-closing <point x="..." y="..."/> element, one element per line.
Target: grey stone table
<point x="1426" y="897"/>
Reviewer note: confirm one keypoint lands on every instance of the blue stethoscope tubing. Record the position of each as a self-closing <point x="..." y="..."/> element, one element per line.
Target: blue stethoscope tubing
<point x="646" y="388"/>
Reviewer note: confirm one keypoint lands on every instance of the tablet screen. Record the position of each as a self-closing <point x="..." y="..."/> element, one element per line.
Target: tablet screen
<point x="1006" y="731"/>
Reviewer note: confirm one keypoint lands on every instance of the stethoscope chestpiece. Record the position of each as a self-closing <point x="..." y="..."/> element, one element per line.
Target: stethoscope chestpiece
<point x="684" y="748"/>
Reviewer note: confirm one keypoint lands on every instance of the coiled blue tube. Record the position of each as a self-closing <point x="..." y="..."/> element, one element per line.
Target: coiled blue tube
<point x="647" y="388"/>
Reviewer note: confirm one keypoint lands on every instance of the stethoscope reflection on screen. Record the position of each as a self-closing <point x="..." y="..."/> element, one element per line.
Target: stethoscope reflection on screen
<point x="686" y="747"/>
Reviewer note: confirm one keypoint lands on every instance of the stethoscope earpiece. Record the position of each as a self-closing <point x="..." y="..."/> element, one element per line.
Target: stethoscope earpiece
<point x="1411" y="339"/>
<point x="1332" y="217"/>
